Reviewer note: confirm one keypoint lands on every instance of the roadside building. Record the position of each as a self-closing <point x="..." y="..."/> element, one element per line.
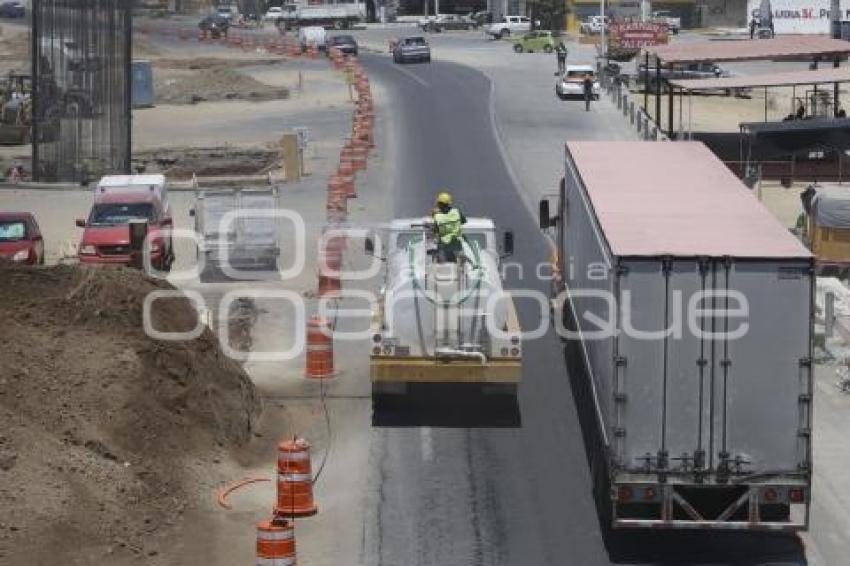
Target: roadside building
<point x="800" y="16"/>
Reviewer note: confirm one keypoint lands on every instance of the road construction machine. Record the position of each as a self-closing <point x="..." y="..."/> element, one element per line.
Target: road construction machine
<point x="443" y="322"/>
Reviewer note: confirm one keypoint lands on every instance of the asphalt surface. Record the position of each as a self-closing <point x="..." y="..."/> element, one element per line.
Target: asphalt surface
<point x="463" y="486"/>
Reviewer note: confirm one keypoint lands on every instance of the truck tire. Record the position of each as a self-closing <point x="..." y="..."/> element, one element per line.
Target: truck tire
<point x="504" y="34"/>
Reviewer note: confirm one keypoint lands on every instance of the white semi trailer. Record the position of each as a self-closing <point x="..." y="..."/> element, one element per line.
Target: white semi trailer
<point x="443" y="322"/>
<point x="692" y="307"/>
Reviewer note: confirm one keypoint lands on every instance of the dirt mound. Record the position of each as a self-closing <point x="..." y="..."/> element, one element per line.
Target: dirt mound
<point x="182" y="162"/>
<point x="181" y="81"/>
<point x="105" y="433"/>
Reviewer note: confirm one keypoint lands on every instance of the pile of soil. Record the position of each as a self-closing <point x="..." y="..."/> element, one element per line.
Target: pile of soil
<point x="182" y="162"/>
<point x="189" y="81"/>
<point x="107" y="436"/>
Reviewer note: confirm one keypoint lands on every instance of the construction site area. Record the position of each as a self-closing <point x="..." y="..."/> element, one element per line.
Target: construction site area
<point x="290" y="285"/>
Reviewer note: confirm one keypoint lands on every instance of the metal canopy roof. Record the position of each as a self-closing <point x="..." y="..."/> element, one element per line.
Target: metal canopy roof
<point x="784" y="47"/>
<point x="676" y="199"/>
<point x="787" y="78"/>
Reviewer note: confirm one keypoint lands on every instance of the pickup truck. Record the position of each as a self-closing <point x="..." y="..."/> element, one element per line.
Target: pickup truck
<point x="250" y="241"/>
<point x="509" y="25"/>
<point x="674" y="24"/>
<point x="594" y="25"/>
<point x="118" y="200"/>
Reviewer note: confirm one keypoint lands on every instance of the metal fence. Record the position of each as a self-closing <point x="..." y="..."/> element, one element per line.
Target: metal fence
<point x="81" y="55"/>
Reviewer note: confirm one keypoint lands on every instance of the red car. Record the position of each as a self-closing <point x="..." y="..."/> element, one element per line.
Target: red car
<point x="20" y="238"/>
<point x="106" y="239"/>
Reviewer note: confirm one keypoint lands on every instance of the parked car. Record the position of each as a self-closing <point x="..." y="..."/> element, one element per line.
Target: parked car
<point x="443" y="22"/>
<point x="120" y="199"/>
<point x="344" y="43"/>
<point x="411" y="49"/>
<point x="12" y="10"/>
<point x="509" y="25"/>
<point x="229" y="13"/>
<point x="594" y="25"/>
<point x="273" y="14"/>
<point x="20" y="238"/>
<point x="482" y="18"/>
<point x="703" y="70"/>
<point x="674" y="24"/>
<point x="214" y="25"/>
<point x="572" y="83"/>
<point x="535" y="41"/>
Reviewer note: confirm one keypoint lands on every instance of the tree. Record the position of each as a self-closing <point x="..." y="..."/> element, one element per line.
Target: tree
<point x="550" y="13"/>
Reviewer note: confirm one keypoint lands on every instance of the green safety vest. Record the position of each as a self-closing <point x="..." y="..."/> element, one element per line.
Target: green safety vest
<point x="448" y="225"/>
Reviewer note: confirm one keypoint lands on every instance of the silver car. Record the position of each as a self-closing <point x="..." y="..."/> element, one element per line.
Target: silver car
<point x="412" y="49"/>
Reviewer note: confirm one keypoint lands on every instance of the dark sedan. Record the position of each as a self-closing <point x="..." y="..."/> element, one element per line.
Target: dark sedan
<point x="12" y="10"/>
<point x="214" y="25"/>
<point x="344" y="43"/>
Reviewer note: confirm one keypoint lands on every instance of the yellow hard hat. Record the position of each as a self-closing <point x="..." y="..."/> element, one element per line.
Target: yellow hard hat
<point x="444" y="198"/>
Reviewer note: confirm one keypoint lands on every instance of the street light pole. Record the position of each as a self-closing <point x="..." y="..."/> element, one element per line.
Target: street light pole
<point x="602" y="49"/>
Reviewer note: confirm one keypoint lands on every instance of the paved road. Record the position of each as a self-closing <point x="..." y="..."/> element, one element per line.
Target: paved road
<point x="501" y="495"/>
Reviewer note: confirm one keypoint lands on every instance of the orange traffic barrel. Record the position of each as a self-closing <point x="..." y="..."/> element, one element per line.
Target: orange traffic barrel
<point x="361" y="152"/>
<point x="295" y="477"/>
<point x="346" y="168"/>
<point x="276" y="543"/>
<point x="320" y="352"/>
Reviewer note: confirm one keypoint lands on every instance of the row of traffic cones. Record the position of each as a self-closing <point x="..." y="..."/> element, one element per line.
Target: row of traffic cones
<point x="353" y="159"/>
<point x="276" y="537"/>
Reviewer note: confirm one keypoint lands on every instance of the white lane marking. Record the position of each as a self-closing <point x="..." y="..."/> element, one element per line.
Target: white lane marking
<point x="411" y="75"/>
<point x="427" y="444"/>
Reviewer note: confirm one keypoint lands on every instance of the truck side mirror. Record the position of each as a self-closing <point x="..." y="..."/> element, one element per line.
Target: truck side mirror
<point x="80" y="222"/>
<point x="369" y="246"/>
<point x="508" y="245"/>
<point x="545" y="219"/>
<point x="191" y="212"/>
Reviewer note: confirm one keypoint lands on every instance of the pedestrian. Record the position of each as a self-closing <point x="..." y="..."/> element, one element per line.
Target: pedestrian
<point x="587" y="87"/>
<point x="753" y="25"/>
<point x="561" y="53"/>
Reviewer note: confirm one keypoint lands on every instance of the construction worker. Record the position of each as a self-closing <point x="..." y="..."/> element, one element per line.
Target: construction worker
<point x="448" y="222"/>
<point x="561" y="53"/>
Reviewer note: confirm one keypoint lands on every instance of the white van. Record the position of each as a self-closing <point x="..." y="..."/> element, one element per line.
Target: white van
<point x="313" y="35"/>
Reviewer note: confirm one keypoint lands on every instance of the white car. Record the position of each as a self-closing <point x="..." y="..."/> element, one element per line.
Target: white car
<point x="572" y="83"/>
<point x="509" y="25"/>
<point x="274" y="14"/>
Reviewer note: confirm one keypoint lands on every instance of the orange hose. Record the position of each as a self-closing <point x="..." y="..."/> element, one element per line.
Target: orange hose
<point x="230" y="488"/>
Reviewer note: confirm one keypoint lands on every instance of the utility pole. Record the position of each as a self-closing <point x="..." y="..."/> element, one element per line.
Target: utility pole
<point x="835" y="16"/>
<point x="602" y="47"/>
